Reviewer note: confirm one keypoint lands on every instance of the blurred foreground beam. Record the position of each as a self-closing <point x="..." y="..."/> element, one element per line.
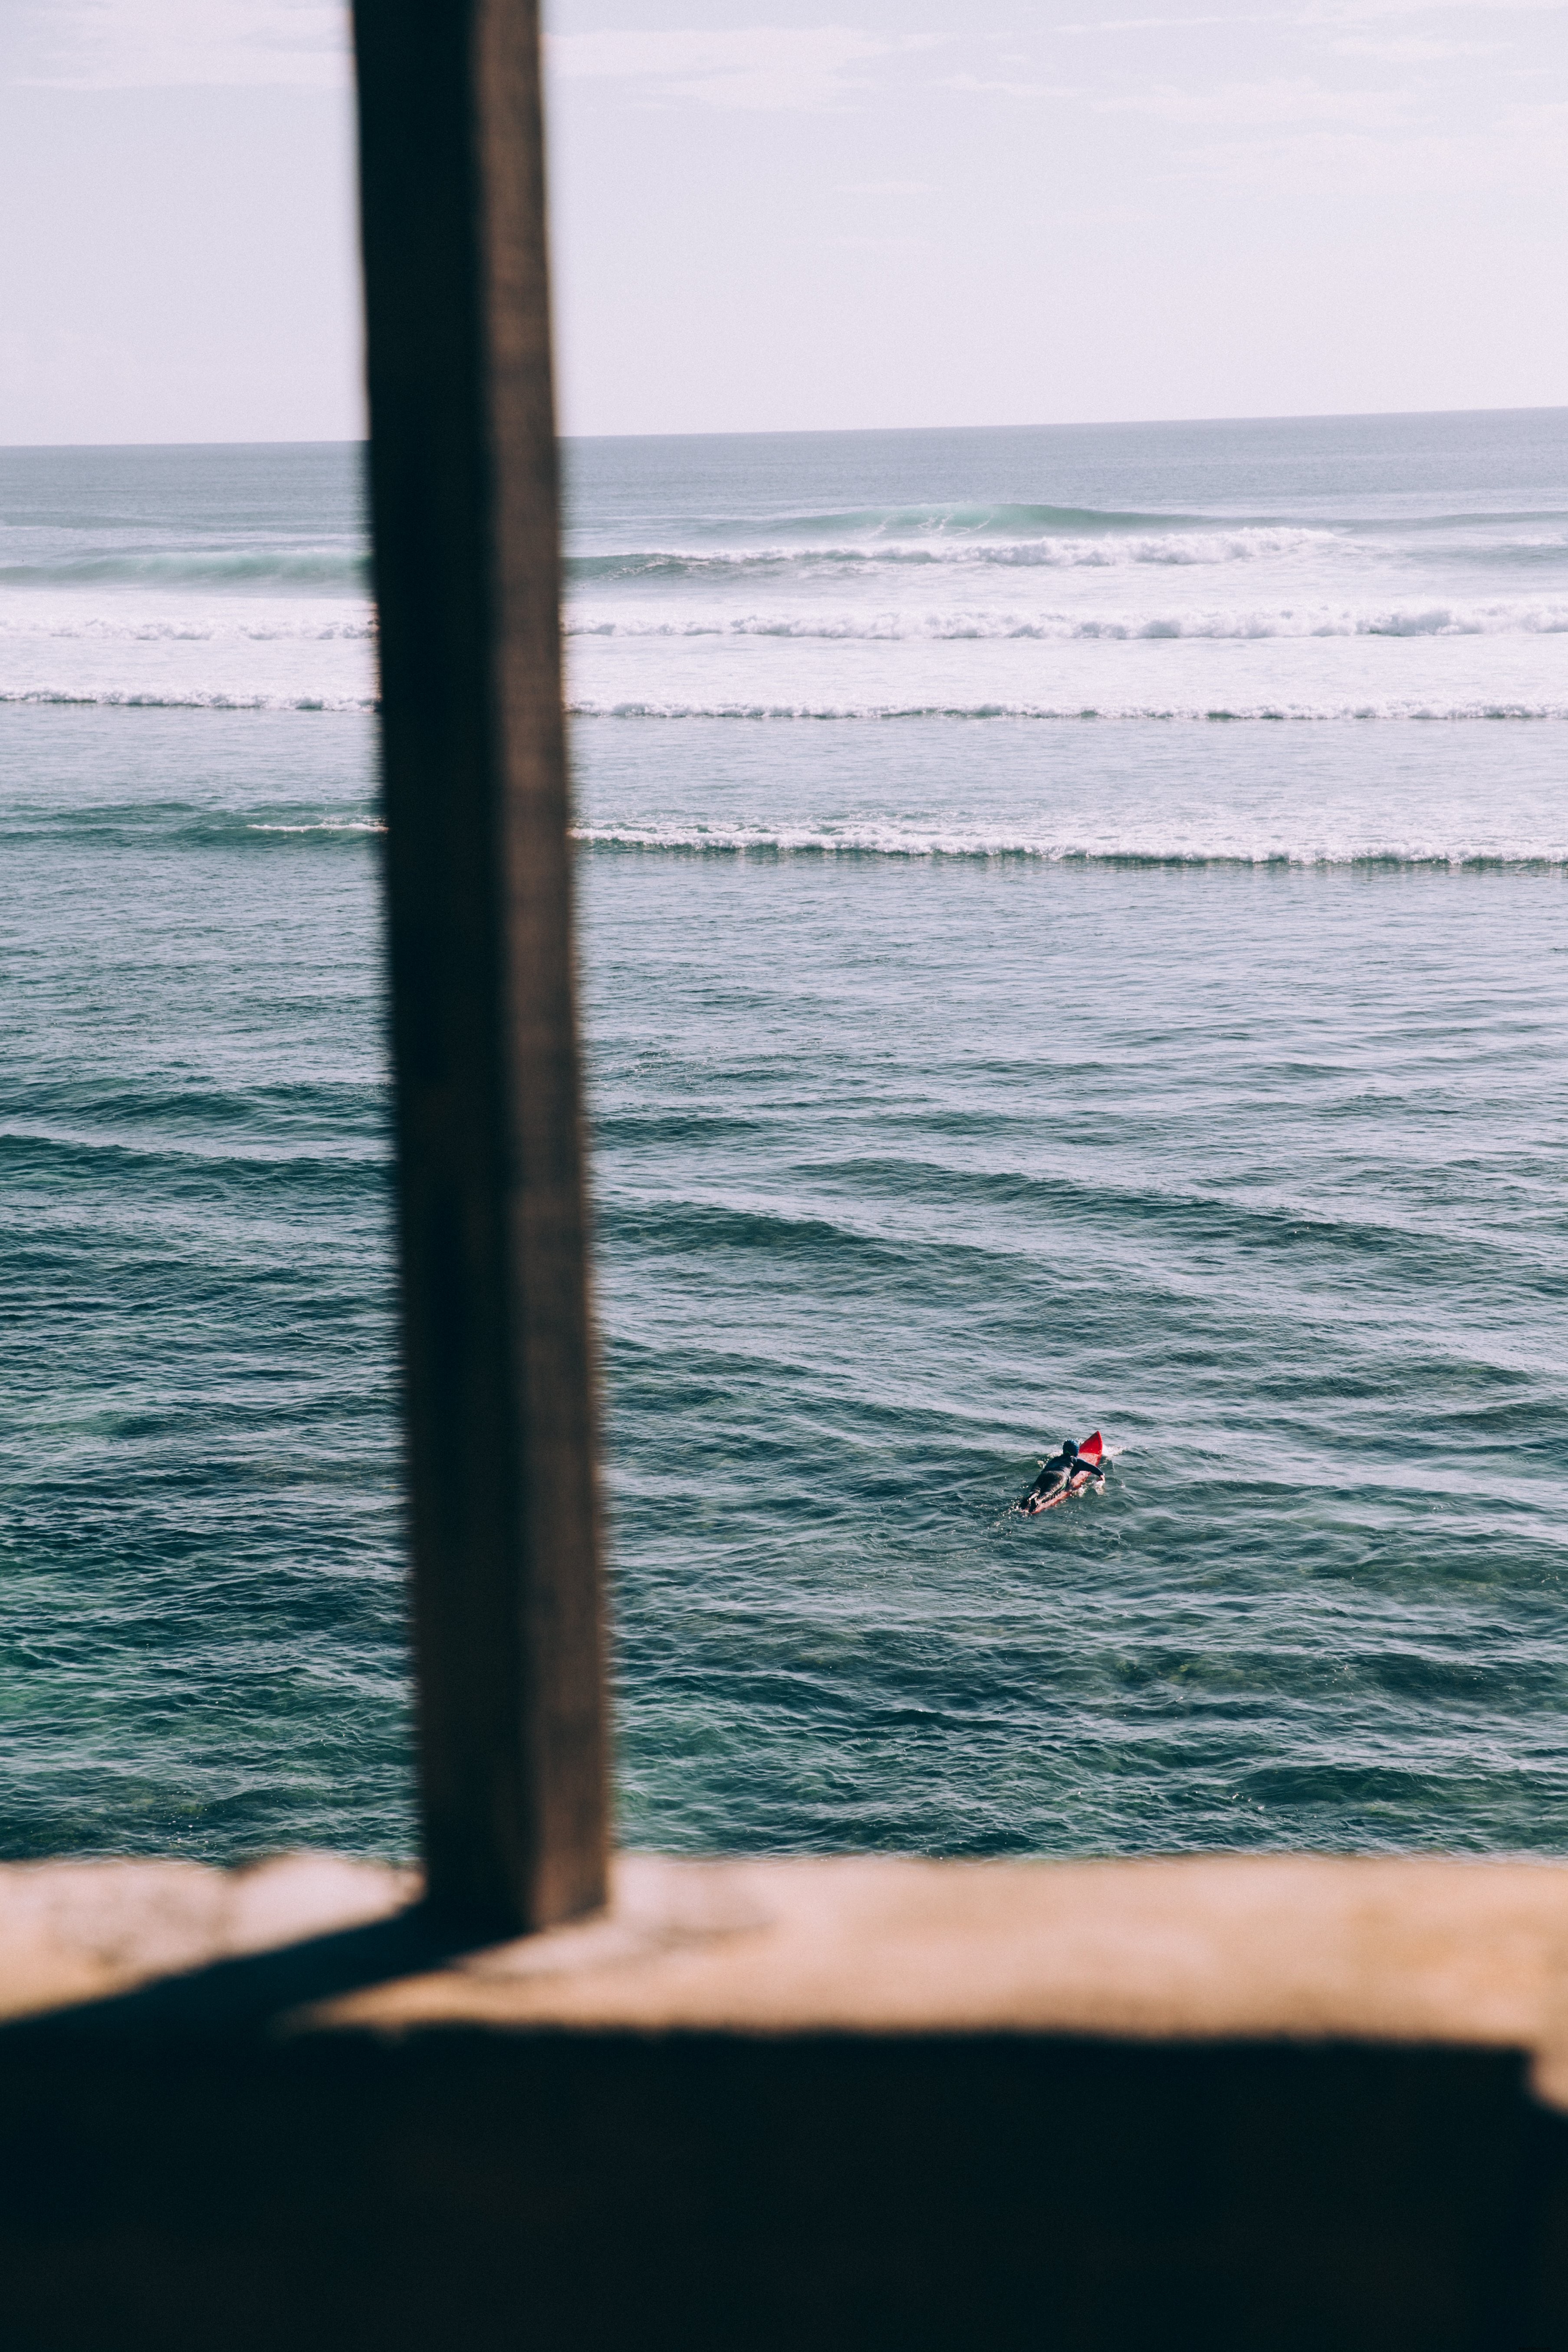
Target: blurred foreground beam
<point x="1234" y="2103"/>
<point x="463" y="488"/>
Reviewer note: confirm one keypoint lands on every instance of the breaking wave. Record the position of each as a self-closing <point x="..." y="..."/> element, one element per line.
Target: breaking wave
<point x="180" y="698"/>
<point x="294" y="571"/>
<point x="1429" y="620"/>
<point x="195" y="629"/>
<point x="1394" y="708"/>
<point x="318" y="825"/>
<point x="883" y="839"/>
<point x="1209" y="544"/>
<point x="959" y="518"/>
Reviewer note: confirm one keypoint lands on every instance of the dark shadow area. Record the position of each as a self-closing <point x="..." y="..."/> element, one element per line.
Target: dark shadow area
<point x="249" y="1992"/>
<point x="499" y="2190"/>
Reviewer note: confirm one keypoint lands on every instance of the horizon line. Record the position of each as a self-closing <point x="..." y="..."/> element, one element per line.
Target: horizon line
<point x="826" y="432"/>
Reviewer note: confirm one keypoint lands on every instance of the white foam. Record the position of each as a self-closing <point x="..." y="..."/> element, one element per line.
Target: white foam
<point x="1435" y="619"/>
<point x="1222" y="844"/>
<point x="1239" y="543"/>
<point x="187" y="698"/>
<point x="20" y="626"/>
<point x="1235" y="708"/>
<point x="189" y="652"/>
<point x="324" y="824"/>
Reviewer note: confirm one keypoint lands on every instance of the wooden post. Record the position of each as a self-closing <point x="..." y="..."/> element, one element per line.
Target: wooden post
<point x="507" y="1612"/>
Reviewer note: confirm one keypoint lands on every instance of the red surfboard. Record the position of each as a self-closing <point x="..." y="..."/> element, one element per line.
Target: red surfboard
<point x="1089" y="1467"/>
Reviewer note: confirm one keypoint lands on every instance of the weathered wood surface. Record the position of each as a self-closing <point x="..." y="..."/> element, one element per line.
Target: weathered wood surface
<point x="1210" y="1946"/>
<point x="500" y="1439"/>
<point x="1223" y="2104"/>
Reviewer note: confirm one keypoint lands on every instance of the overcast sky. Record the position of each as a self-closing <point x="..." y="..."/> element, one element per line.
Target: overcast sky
<point x="992" y="213"/>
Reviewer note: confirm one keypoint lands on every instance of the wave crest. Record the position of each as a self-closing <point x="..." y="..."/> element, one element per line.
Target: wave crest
<point x="1213" y="544"/>
<point x="1435" y="619"/>
<point x="892" y="841"/>
<point x="177" y="699"/>
<point x="1413" y="708"/>
<point x="340" y="571"/>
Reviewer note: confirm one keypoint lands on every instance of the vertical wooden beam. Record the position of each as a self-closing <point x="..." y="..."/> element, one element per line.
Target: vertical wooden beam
<point x="463" y="489"/>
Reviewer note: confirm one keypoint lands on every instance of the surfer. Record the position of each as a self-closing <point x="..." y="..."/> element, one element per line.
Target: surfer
<point x="1055" y="1473"/>
<point x="1062" y="1473"/>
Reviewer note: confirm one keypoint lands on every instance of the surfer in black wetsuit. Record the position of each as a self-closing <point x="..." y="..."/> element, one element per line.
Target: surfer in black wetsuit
<point x="1057" y="1473"/>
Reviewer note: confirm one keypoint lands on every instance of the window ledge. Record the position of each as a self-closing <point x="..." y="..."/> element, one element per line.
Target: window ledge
<point x="1270" y="1947"/>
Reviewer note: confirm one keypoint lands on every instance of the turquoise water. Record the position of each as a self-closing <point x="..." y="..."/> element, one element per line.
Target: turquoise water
<point x="200" y="1580"/>
<point x="960" y="1079"/>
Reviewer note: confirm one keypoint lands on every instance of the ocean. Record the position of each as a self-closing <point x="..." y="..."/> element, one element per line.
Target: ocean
<point x="1072" y="936"/>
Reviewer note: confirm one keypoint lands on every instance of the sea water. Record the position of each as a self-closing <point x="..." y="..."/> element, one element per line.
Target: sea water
<point x="1072" y="932"/>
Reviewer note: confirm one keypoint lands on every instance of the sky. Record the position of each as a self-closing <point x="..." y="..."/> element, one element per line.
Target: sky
<point x="769" y="216"/>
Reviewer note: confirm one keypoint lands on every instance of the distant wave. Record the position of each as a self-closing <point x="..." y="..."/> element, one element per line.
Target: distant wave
<point x="345" y="571"/>
<point x="1413" y="707"/>
<point x="177" y="825"/>
<point x="1213" y="543"/>
<point x="314" y="824"/>
<point x="274" y="1159"/>
<point x="215" y="698"/>
<point x="178" y="698"/>
<point x="186" y="629"/>
<point x="890" y="840"/>
<point x="1435" y="619"/>
<point x="962" y="517"/>
<point x="960" y="520"/>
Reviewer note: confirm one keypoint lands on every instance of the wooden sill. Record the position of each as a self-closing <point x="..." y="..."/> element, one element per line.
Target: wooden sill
<point x="1218" y="2104"/>
<point x="1277" y="1947"/>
